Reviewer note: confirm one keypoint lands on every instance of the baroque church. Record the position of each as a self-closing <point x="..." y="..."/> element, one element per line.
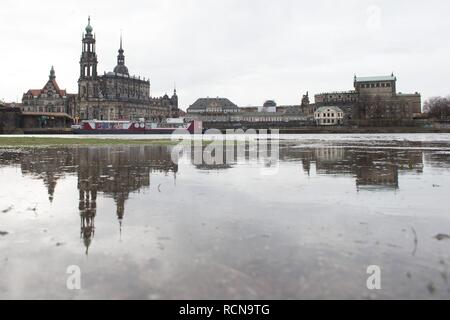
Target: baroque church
<point x="116" y="95"/>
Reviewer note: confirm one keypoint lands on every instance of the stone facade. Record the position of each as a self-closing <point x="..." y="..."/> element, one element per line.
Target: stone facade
<point x="372" y="97"/>
<point x="330" y="98"/>
<point x="222" y="110"/>
<point x="116" y="95"/>
<point x="329" y="116"/>
<point x="48" y="99"/>
<point x="212" y="110"/>
<point x="378" y="100"/>
<point x="48" y="107"/>
<point x="383" y="86"/>
<point x="213" y="106"/>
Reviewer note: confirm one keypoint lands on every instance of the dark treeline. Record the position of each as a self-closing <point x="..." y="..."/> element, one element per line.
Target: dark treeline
<point x="438" y="107"/>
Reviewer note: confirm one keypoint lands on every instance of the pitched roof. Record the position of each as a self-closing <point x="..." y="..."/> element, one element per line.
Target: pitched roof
<point x="204" y="103"/>
<point x="34" y="92"/>
<point x="52" y="83"/>
<point x="325" y="109"/>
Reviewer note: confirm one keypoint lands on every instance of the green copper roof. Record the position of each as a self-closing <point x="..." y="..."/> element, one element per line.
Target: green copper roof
<point x="379" y="78"/>
<point x="89" y="28"/>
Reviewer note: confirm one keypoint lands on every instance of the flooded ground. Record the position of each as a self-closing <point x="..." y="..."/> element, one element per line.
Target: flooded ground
<point x="305" y="226"/>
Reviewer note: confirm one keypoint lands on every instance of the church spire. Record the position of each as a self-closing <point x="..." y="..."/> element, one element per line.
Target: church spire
<point x="121" y="57"/>
<point x="52" y="75"/>
<point x="121" y="68"/>
<point x="121" y="49"/>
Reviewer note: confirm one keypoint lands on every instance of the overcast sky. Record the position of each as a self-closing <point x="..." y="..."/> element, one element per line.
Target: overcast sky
<point x="246" y="50"/>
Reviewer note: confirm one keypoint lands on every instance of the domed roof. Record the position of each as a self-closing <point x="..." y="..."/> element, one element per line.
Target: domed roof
<point x="121" y="69"/>
<point x="270" y="103"/>
<point x="89" y="28"/>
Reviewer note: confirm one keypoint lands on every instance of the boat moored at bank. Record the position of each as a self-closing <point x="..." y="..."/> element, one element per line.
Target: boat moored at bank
<point x="136" y="127"/>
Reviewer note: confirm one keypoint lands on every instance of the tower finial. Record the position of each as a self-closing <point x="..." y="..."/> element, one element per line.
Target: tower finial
<point x="121" y="45"/>
<point x="52" y="74"/>
<point x="89" y="27"/>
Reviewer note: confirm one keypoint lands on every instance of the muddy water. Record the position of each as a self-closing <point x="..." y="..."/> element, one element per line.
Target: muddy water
<point x="139" y="226"/>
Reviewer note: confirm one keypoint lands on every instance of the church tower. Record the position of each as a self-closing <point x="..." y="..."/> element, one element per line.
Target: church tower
<point x="174" y="99"/>
<point x="121" y="68"/>
<point x="88" y="64"/>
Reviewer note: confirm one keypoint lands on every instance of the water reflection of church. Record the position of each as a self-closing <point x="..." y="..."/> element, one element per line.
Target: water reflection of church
<point x="114" y="172"/>
<point x="117" y="172"/>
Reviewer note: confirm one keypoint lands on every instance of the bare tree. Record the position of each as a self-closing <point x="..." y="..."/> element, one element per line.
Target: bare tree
<point x="371" y="108"/>
<point x="438" y="107"/>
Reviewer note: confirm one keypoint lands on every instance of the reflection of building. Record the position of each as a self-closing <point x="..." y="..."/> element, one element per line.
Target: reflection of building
<point x="49" y="165"/>
<point x="116" y="95"/>
<point x="88" y="211"/>
<point x="330" y="161"/>
<point x="371" y="175"/>
<point x="114" y="172"/>
<point x="372" y="169"/>
<point x="118" y="172"/>
<point x="438" y="159"/>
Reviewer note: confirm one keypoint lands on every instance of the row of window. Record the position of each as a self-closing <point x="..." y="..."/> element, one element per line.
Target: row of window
<point x="375" y="85"/>
<point x="352" y="99"/>
<point x="341" y="96"/>
<point x="330" y="115"/>
<point x="44" y="109"/>
<point x="329" y="121"/>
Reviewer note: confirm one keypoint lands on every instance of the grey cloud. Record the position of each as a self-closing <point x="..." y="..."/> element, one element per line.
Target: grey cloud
<point x="247" y="50"/>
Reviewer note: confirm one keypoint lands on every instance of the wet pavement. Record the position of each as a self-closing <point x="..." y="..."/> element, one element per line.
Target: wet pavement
<point x="305" y="226"/>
